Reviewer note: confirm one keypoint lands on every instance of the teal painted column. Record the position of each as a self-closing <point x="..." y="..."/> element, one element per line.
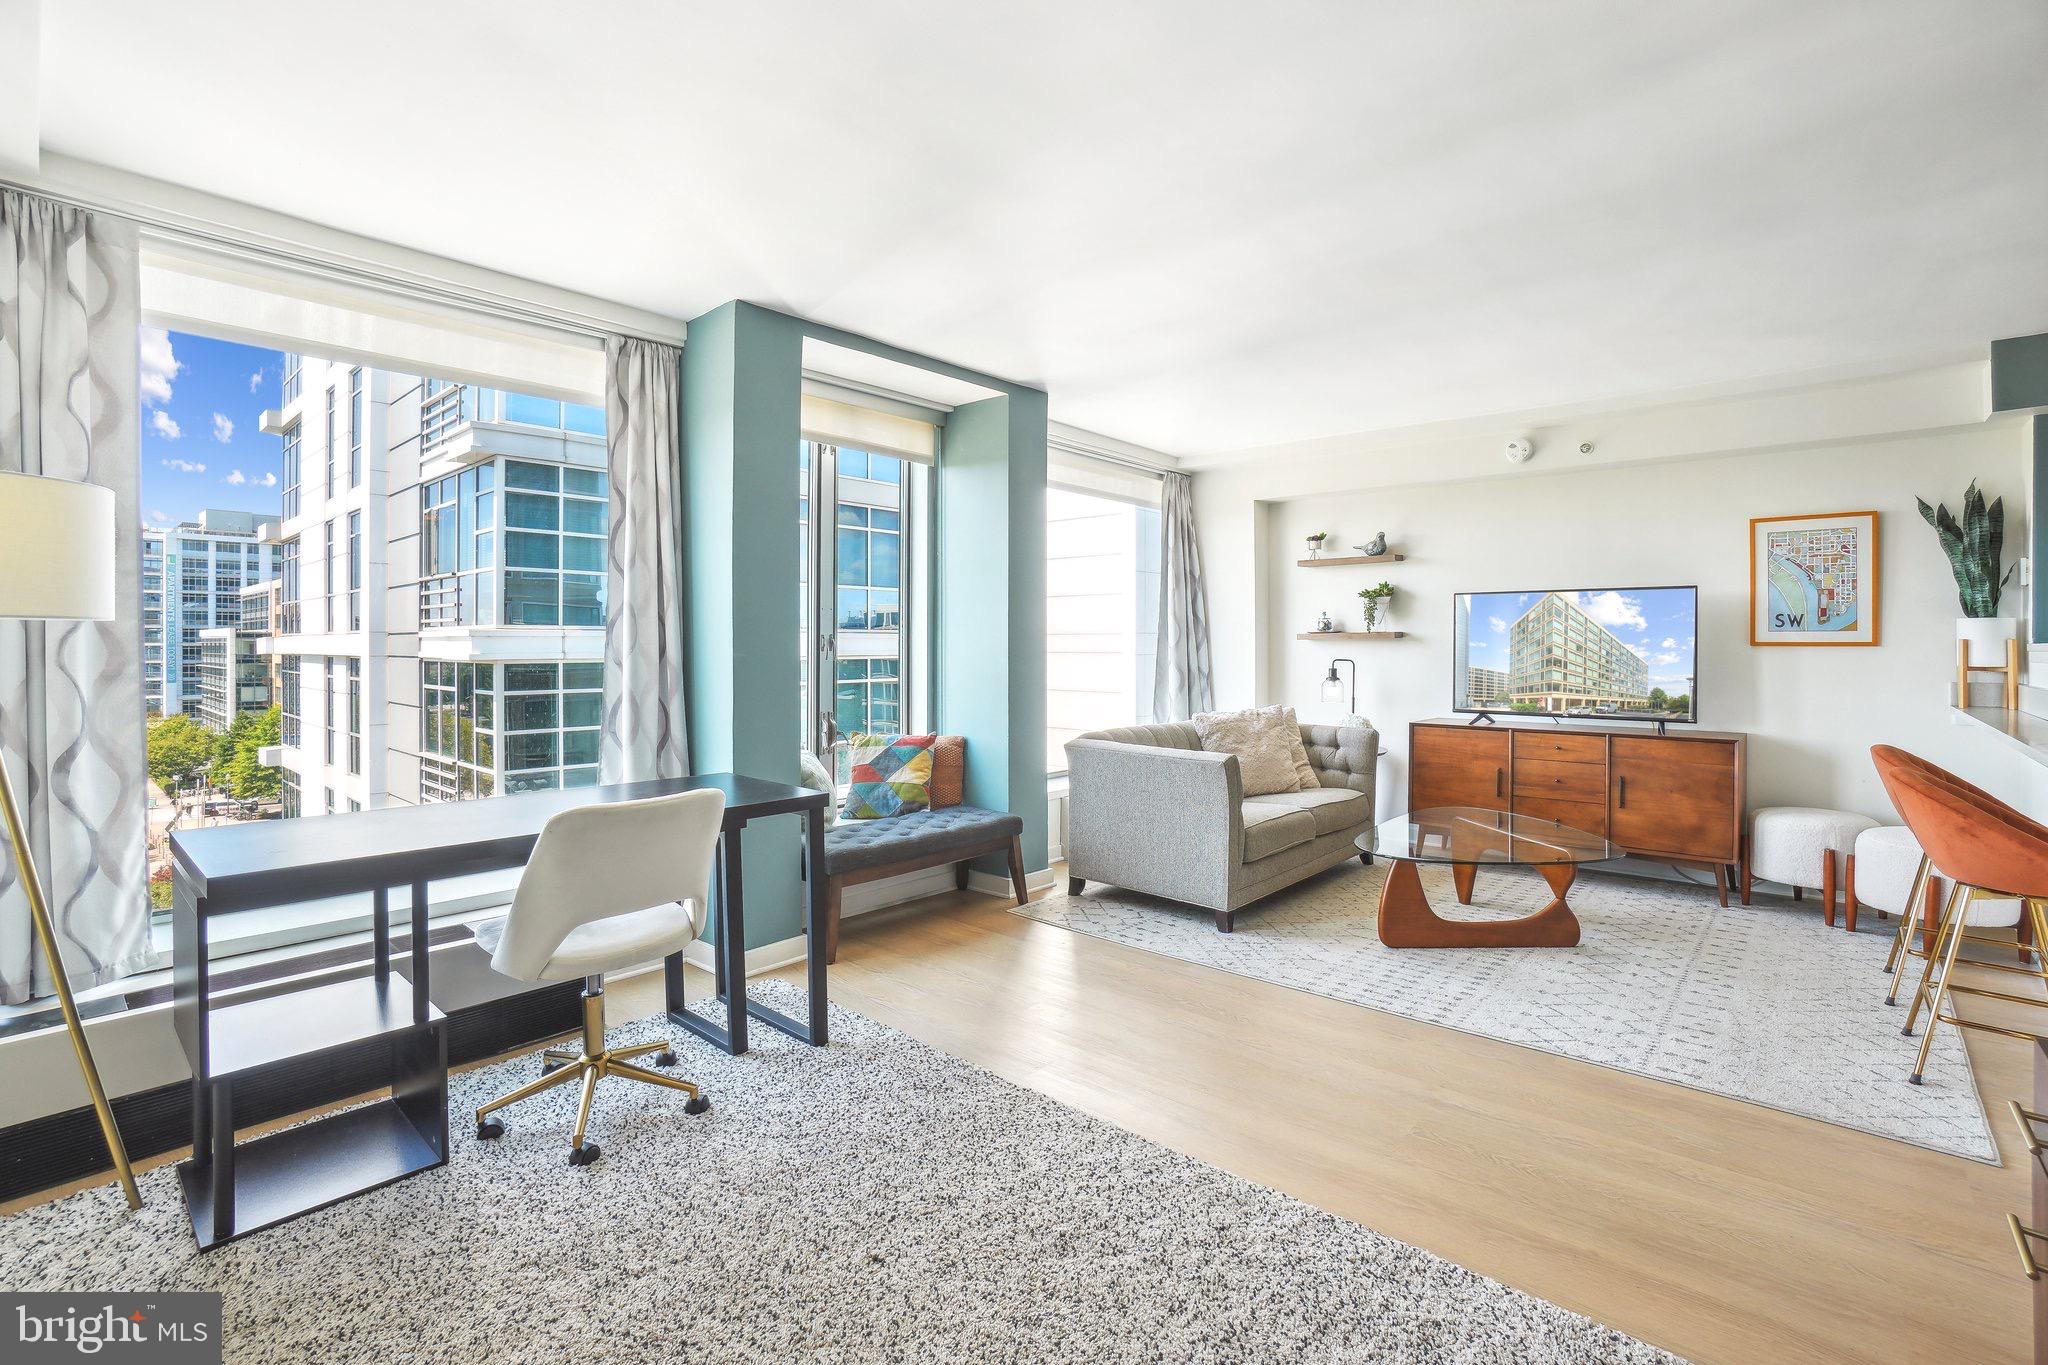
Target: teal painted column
<point x="991" y="605"/>
<point x="742" y="374"/>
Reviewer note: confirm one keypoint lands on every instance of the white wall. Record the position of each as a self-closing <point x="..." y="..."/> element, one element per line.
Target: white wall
<point x="1567" y="521"/>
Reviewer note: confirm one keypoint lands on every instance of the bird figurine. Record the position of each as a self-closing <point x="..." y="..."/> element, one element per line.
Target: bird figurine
<point x="1376" y="546"/>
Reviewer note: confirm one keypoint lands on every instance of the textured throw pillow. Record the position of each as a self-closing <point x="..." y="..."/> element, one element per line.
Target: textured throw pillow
<point x="949" y="771"/>
<point x="812" y="774"/>
<point x="1304" y="771"/>
<point x="892" y="775"/>
<point x="1265" y="742"/>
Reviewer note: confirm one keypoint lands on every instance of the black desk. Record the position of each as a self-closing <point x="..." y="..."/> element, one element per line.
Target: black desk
<point x="231" y="1191"/>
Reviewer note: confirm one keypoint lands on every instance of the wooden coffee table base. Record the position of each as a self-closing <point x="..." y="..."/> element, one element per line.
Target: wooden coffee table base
<point x="1406" y="921"/>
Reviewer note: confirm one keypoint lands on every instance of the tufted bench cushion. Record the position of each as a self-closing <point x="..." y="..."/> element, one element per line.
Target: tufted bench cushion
<point x="853" y="845"/>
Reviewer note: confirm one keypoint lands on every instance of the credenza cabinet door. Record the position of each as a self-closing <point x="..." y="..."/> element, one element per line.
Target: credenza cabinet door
<point x="1673" y="796"/>
<point x="1457" y="768"/>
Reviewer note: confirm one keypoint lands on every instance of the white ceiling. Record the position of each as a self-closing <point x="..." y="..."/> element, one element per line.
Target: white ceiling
<point x="1201" y="226"/>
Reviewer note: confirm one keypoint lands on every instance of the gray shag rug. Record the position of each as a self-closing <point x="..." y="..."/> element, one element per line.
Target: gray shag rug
<point x="874" y="1201"/>
<point x="1763" y="1003"/>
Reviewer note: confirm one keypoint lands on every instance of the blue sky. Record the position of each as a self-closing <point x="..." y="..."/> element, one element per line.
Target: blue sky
<point x="1656" y="623"/>
<point x="200" y="445"/>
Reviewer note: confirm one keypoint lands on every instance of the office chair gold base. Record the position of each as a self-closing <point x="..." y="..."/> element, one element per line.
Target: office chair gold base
<point x="592" y="1064"/>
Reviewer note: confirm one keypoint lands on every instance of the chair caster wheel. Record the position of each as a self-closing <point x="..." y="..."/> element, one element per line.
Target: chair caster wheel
<point x="584" y="1155"/>
<point x="666" y="1057"/>
<point x="699" y="1104"/>
<point x="547" y="1067"/>
<point x="489" y="1129"/>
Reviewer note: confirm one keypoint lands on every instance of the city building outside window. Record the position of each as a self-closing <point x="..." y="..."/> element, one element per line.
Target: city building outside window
<point x="355" y="719"/>
<point x="288" y="701"/>
<point x="327" y="434"/>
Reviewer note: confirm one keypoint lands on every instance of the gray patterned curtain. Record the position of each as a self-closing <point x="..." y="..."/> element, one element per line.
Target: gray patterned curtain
<point x="71" y="691"/>
<point x="643" y="643"/>
<point x="1181" y="683"/>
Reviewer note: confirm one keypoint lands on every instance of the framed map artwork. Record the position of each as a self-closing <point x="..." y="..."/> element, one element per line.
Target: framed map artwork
<point x="1813" y="580"/>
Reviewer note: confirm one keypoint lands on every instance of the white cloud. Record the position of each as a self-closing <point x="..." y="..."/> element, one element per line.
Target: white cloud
<point x="185" y="466"/>
<point x="1500" y="627"/>
<point x="1670" y="643"/>
<point x="267" y="481"/>
<point x="255" y="381"/>
<point x="159" y="516"/>
<point x="159" y="366"/>
<point x="1666" y="659"/>
<point x="161" y="423"/>
<point x="223" y="429"/>
<point x="1612" y="609"/>
<point x="237" y="478"/>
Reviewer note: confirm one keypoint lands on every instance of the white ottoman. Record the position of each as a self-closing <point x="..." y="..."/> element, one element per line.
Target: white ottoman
<point x="1881" y="873"/>
<point x="1802" y="846"/>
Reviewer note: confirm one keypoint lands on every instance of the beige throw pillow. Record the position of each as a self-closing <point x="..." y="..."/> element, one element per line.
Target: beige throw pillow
<point x="1267" y="742"/>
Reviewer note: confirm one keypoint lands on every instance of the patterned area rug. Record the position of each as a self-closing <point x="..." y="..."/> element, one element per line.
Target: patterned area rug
<point x="874" y="1201"/>
<point x="1762" y="1003"/>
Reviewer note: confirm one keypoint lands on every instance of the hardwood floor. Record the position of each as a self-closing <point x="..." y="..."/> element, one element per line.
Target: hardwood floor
<point x="1720" y="1230"/>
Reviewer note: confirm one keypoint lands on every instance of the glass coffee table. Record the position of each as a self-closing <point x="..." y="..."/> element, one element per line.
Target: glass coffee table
<point x="1468" y="838"/>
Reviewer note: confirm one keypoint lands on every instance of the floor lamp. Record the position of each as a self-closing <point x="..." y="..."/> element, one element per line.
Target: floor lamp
<point x="57" y="564"/>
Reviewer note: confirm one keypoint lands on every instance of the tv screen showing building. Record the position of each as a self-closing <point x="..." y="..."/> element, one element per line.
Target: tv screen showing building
<point x="1624" y="653"/>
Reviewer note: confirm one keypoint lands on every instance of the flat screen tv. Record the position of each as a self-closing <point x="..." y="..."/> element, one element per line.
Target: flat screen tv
<point x="1606" y="654"/>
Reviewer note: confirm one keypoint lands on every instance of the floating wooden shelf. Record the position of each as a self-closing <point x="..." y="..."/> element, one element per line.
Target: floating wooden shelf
<point x="1352" y="635"/>
<point x="1349" y="559"/>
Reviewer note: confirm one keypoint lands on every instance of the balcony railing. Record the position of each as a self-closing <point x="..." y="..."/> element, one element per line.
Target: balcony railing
<point x="441" y="414"/>
<point x="440" y="601"/>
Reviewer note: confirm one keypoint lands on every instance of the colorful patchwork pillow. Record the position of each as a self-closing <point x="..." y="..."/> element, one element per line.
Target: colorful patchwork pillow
<point x="892" y="775"/>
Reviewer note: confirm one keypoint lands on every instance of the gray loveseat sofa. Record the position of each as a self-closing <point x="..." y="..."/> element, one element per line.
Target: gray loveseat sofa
<point x="1150" y="810"/>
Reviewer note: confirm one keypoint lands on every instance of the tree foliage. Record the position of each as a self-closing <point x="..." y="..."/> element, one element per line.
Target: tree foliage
<point x="240" y="770"/>
<point x="180" y="749"/>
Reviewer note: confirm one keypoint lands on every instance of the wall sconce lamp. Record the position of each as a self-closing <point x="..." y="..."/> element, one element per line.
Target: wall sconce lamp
<point x="1333" y="686"/>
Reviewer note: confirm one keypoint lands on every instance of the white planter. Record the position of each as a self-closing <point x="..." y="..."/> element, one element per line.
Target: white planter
<point x="1986" y="636"/>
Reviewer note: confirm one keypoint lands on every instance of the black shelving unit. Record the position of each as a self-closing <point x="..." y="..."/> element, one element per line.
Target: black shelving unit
<point x="233" y="1189"/>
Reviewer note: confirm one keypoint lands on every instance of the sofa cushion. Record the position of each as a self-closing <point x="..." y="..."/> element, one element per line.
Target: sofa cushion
<point x="1270" y="829"/>
<point x="931" y="834"/>
<point x="1332" y="808"/>
<point x="1265" y="741"/>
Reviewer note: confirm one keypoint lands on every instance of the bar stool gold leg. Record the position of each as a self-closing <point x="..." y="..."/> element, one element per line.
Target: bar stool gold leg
<point x="1948" y="966"/>
<point x="1949" y="913"/>
<point x="1896" y="963"/>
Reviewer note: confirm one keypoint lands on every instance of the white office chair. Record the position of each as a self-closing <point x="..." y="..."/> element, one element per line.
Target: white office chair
<point x="606" y="887"/>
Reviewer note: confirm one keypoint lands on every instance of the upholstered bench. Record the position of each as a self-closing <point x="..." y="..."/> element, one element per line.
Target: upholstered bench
<point x="859" y="851"/>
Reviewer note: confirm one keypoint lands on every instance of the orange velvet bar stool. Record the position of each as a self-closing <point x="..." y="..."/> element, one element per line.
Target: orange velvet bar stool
<point x="1990" y="850"/>
<point x="1926" y="889"/>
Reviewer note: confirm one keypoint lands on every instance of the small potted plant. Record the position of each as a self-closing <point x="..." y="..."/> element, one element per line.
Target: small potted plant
<point x="1974" y="546"/>
<point x="1375" y="599"/>
<point x="1315" y="544"/>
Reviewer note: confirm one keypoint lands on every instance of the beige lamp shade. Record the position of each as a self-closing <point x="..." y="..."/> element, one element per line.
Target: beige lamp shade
<point x="56" y="549"/>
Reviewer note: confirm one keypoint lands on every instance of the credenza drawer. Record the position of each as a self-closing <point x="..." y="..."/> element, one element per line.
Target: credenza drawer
<point x="1706" y="753"/>
<point x="1589" y="816"/>
<point x="1560" y="748"/>
<point x="1569" y="781"/>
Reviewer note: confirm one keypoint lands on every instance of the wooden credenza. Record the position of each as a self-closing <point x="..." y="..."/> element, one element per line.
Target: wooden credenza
<point x="1676" y="798"/>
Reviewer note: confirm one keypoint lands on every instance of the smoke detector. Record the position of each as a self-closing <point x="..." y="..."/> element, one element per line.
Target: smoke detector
<point x="1520" y="449"/>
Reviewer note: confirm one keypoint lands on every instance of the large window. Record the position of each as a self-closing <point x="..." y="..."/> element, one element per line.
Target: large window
<point x="538" y="722"/>
<point x="327" y="433"/>
<point x="288" y="700"/>
<point x="1101" y="615"/>
<point x="458" y="730"/>
<point x="861" y="629"/>
<point x="458" y="548"/>
<point x="355" y="571"/>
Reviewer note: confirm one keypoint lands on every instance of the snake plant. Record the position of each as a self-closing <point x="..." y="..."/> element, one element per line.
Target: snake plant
<point x="1974" y="547"/>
